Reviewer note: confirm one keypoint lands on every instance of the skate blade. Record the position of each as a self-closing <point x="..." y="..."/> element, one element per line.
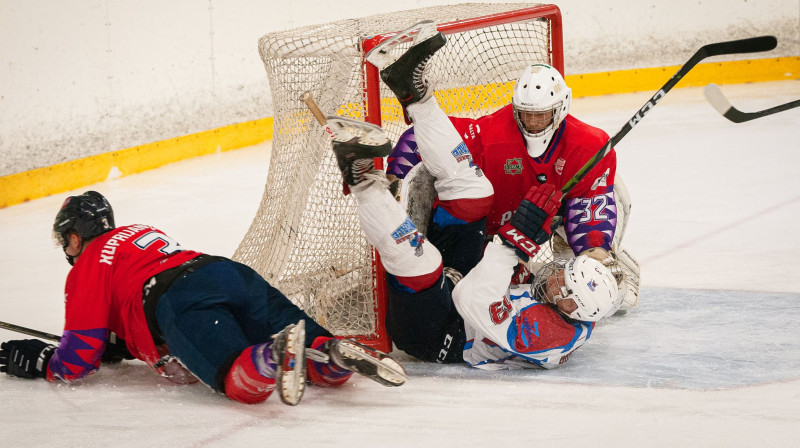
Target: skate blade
<point x="381" y="56"/>
<point x="389" y="371"/>
<point x="292" y="381"/>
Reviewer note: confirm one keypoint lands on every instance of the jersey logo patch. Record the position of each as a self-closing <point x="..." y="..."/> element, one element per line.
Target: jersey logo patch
<point x="601" y="181"/>
<point x="542" y="178"/>
<point x="559" y="165"/>
<point x="461" y="153"/>
<point x="513" y="166"/>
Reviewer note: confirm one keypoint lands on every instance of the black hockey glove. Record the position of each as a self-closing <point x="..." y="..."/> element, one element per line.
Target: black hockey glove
<point x="25" y="358"/>
<point x="532" y="222"/>
<point x="116" y="350"/>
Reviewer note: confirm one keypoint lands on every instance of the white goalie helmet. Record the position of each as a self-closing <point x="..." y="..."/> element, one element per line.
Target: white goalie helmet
<point x="541" y="102"/>
<point x="591" y="286"/>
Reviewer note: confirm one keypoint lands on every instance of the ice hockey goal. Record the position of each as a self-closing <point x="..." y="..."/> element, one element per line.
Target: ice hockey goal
<point x="305" y="238"/>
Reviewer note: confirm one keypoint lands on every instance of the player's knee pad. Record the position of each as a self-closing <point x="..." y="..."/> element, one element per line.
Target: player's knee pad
<point x="410" y="254"/>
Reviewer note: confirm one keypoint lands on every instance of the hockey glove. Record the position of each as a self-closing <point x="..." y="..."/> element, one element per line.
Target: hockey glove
<point x="25" y="358"/>
<point x="116" y="350"/>
<point x="532" y="222"/>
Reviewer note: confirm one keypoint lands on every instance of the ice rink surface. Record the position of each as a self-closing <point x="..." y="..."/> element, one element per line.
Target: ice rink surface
<point x="710" y="357"/>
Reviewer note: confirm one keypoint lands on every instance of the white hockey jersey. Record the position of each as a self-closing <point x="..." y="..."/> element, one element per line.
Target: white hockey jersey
<point x="506" y="327"/>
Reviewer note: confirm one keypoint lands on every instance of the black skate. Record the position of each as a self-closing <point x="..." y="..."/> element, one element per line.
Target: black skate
<point x="406" y="76"/>
<point x="356" y="144"/>
<point x="288" y="352"/>
<point x="366" y="361"/>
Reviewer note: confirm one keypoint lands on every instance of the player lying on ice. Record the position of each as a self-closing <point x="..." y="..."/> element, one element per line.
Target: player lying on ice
<point x="449" y="300"/>
<point x="532" y="141"/>
<point x="188" y="315"/>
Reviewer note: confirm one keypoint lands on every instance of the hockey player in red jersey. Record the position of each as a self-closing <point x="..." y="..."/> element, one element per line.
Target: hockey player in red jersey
<point x="449" y="300"/>
<point x="187" y="314"/>
<point x="533" y="141"/>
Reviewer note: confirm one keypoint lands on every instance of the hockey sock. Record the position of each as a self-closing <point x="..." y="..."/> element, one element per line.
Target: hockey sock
<point x="251" y="378"/>
<point x="325" y="374"/>
<point x="402" y="247"/>
<point x="446" y="155"/>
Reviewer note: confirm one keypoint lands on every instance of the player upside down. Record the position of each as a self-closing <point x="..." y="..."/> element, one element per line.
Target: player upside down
<point x="449" y="300"/>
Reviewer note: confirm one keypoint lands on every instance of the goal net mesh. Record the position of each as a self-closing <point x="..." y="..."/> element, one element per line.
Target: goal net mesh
<point x="306" y="239"/>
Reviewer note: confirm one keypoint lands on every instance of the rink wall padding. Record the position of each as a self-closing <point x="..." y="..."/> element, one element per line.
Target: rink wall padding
<point x="29" y="185"/>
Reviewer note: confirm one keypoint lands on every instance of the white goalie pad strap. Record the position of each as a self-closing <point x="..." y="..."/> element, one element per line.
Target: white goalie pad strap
<point x="403" y="249"/>
<point x="445" y="154"/>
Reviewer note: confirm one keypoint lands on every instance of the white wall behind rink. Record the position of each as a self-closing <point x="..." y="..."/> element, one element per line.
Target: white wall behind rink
<point x="83" y="77"/>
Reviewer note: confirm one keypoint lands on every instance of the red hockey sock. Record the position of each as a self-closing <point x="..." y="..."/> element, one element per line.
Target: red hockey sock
<point x="325" y="374"/>
<point x="251" y="378"/>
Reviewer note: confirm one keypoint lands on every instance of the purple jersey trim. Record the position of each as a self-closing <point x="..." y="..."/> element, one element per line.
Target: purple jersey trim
<point x="404" y="155"/>
<point x="78" y="354"/>
<point x="591" y="221"/>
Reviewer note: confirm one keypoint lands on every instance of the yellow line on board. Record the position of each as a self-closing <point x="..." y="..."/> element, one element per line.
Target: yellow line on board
<point x="648" y="79"/>
<point x="41" y="182"/>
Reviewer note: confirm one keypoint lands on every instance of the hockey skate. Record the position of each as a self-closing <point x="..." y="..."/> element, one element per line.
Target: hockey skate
<point x="406" y="75"/>
<point x="356" y="144"/>
<point x="366" y="361"/>
<point x="288" y="352"/>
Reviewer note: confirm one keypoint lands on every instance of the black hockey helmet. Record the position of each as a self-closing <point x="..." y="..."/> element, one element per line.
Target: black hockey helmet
<point x="89" y="214"/>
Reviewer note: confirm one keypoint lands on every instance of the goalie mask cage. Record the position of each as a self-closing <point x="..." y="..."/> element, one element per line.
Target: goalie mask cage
<point x="306" y="239"/>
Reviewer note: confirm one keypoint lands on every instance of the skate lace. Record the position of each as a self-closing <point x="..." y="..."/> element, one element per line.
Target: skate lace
<point x="418" y="75"/>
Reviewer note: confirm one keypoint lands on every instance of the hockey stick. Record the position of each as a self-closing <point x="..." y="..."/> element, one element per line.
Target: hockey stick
<point x="717" y="99"/>
<point x="308" y="99"/>
<point x="29" y="331"/>
<point x="751" y="45"/>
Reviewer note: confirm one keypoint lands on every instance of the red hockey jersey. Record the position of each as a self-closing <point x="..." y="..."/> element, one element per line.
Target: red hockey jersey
<point x="104" y="293"/>
<point x="498" y="147"/>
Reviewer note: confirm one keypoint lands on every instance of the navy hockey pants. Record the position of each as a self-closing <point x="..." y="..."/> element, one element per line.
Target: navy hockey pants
<point x="426" y="324"/>
<point x="209" y="316"/>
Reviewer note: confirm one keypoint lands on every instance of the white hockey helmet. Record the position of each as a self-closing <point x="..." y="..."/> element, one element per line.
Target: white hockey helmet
<point x="540" y="94"/>
<point x="591" y="286"/>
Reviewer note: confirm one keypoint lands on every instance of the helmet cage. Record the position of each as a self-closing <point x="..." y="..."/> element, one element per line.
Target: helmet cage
<point x="549" y="129"/>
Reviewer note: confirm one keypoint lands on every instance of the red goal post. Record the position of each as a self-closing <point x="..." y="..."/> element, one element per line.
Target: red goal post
<point x="306" y="239"/>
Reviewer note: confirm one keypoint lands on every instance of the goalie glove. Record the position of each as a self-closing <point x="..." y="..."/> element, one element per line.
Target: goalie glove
<point x="532" y="222"/>
<point x="26" y="358"/>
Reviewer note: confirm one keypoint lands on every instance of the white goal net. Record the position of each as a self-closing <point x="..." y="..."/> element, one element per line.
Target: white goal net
<point x="306" y="239"/>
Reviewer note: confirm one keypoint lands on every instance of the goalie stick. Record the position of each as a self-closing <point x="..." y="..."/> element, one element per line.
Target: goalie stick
<point x="717" y="99"/>
<point x="29" y="331"/>
<point x="751" y="45"/>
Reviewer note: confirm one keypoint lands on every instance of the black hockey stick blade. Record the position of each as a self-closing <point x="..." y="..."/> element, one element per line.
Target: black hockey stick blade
<point x="749" y="45"/>
<point x="718" y="100"/>
<point x="29" y="331"/>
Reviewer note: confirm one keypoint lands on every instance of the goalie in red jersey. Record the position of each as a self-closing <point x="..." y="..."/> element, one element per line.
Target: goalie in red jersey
<point x="449" y="300"/>
<point x="533" y="141"/>
<point x="135" y="291"/>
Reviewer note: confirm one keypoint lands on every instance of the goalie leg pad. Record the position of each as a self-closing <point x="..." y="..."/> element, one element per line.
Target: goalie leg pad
<point x="630" y="267"/>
